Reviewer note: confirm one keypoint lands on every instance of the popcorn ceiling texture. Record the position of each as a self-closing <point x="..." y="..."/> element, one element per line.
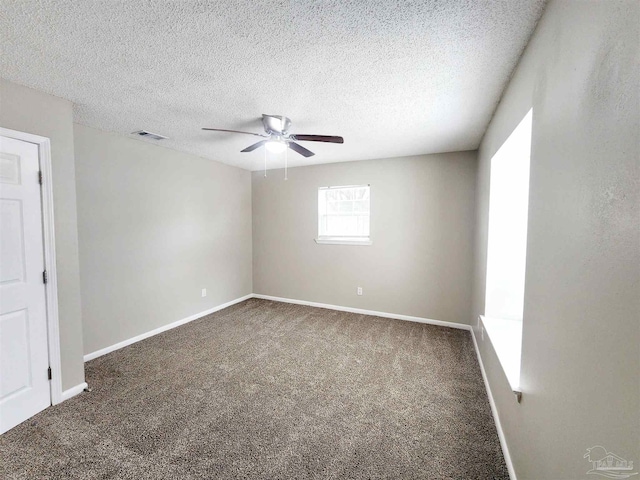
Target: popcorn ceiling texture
<point x="394" y="78"/>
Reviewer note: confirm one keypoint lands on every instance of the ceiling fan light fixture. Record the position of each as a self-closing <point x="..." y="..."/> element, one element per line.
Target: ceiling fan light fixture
<point x="275" y="146"/>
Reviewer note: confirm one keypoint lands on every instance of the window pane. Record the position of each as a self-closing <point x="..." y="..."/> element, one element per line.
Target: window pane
<point x="508" y="213"/>
<point x="343" y="211"/>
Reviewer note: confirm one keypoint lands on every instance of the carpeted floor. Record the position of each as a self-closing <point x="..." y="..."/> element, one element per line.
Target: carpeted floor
<point x="266" y="390"/>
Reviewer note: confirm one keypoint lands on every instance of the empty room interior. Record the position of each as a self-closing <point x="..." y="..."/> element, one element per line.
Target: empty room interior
<point x="320" y="239"/>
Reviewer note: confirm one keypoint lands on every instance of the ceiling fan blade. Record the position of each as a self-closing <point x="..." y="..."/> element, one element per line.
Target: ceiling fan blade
<point x="251" y="148"/>
<point x="234" y="131"/>
<point x="300" y="149"/>
<point x="318" y="138"/>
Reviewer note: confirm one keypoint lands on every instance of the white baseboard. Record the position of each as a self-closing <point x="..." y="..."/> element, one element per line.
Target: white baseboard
<point x="73" y="391"/>
<point x="494" y="411"/>
<point x="396" y="316"/>
<point x="164" y="328"/>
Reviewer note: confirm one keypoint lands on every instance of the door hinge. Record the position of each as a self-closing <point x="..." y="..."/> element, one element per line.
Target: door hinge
<point x="49" y="376"/>
<point x="40" y="177"/>
<point x="44" y="276"/>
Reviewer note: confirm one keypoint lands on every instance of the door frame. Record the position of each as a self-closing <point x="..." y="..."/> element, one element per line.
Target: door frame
<point x="48" y="230"/>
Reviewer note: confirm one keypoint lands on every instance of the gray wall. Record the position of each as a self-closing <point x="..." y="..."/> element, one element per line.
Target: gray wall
<point x="155" y="227"/>
<point x="422" y="217"/>
<point x="36" y="112"/>
<point x="581" y="333"/>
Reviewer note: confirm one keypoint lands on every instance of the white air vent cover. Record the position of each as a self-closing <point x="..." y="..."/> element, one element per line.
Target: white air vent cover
<point x="153" y="136"/>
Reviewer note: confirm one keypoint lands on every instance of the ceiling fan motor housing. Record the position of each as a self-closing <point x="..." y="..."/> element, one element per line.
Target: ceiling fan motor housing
<point x="276" y="124"/>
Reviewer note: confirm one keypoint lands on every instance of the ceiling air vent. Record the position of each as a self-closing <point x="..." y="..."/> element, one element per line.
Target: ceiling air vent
<point x="153" y="136"/>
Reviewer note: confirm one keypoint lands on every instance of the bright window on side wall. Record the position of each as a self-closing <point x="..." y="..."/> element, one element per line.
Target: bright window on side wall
<point x="507" y="250"/>
<point x="344" y="215"/>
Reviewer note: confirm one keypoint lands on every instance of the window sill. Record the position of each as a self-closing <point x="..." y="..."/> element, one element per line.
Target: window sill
<point x="506" y="338"/>
<point x="342" y="241"/>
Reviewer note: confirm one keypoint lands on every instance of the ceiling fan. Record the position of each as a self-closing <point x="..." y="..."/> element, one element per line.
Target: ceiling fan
<point x="278" y="137"/>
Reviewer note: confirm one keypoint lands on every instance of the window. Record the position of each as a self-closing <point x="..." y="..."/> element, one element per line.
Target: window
<point x="507" y="249"/>
<point x="343" y="215"/>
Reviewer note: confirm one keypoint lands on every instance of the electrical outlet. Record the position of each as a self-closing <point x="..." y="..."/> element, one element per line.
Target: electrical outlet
<point x="359" y="290"/>
<point x="204" y="292"/>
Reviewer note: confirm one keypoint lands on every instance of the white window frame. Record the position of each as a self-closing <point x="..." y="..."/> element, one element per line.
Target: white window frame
<point x="343" y="240"/>
<point x="504" y="323"/>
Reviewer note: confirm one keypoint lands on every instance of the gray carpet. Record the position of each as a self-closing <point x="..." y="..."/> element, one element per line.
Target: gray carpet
<point x="266" y="390"/>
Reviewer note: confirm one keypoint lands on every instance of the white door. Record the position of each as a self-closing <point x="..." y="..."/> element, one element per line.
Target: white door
<point x="24" y="359"/>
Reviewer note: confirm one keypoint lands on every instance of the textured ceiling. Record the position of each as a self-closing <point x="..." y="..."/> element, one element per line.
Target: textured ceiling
<point x="394" y="78"/>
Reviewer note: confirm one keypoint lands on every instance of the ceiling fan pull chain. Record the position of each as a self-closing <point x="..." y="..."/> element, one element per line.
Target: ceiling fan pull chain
<point x="265" y="162"/>
<point x="286" y="157"/>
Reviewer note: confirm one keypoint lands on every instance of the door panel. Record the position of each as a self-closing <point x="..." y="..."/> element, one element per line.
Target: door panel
<point x="24" y="361"/>
<point x="11" y="251"/>
<point x="14" y="345"/>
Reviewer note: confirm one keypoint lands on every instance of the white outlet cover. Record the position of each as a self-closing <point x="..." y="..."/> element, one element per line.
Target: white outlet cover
<point x="204" y="292"/>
